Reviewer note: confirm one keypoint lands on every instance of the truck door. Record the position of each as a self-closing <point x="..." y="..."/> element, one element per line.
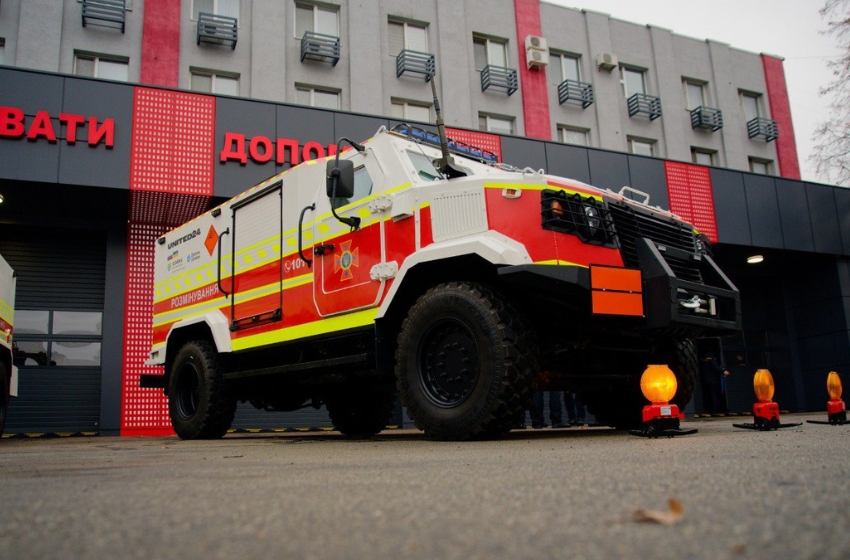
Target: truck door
<point x="342" y="278"/>
<point x="256" y="267"/>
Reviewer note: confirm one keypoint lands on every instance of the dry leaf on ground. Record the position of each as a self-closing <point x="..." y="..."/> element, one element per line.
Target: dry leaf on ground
<point x="671" y="517"/>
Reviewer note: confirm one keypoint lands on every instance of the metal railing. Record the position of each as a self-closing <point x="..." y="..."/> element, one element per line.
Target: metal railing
<point x="765" y="129"/>
<point x="217" y="30"/>
<point x="644" y="105"/>
<point x="707" y="118"/>
<point x="499" y="77"/>
<point x="105" y="13"/>
<point x="320" y="47"/>
<point x="415" y="62"/>
<point x="575" y="93"/>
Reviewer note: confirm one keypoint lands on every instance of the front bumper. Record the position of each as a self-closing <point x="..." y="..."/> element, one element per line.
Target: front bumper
<point x="658" y="300"/>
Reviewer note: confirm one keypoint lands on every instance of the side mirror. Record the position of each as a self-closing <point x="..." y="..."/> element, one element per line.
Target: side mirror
<point x="341" y="172"/>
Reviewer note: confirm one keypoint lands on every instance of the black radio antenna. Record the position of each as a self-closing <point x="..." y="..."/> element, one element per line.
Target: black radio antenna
<point x="445" y="165"/>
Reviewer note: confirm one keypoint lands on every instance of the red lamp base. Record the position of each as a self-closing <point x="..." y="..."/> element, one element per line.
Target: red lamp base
<point x="766" y="417"/>
<point x="661" y="420"/>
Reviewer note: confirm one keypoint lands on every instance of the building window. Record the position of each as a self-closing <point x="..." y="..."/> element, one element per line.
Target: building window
<point x="565" y="67"/>
<point x="58" y="338"/>
<point x="407" y="36"/>
<point x="411" y="111"/>
<point x="703" y="156"/>
<point x="751" y="105"/>
<point x="496" y="124"/>
<point x="757" y="165"/>
<point x="492" y="52"/>
<point x="2" y="50"/>
<point x="317" y="97"/>
<point x="101" y="66"/>
<point x="319" y="19"/>
<point x="573" y="135"/>
<point x="634" y="81"/>
<point x="212" y="82"/>
<point x="229" y="8"/>
<point x="642" y="146"/>
<point x="694" y="94"/>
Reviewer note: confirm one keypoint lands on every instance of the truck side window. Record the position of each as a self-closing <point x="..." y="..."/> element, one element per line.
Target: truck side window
<point x="362" y="187"/>
<point x="424" y="166"/>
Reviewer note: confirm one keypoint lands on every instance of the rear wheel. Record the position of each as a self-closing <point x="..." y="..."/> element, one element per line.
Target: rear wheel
<point x="363" y="411"/>
<point x="200" y="408"/>
<point x="465" y="363"/>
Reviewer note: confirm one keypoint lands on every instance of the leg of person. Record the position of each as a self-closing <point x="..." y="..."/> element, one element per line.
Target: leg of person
<point x="537" y="411"/>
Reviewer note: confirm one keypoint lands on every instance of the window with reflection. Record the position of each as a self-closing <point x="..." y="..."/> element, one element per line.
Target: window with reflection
<point x="57" y="338"/>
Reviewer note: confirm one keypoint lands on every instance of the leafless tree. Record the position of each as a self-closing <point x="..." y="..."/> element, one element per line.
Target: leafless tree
<point x="831" y="155"/>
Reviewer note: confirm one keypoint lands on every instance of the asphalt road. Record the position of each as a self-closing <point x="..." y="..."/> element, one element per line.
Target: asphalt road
<point x="537" y="494"/>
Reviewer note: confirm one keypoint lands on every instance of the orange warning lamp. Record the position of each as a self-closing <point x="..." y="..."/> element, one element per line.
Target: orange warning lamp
<point x="763" y="386"/>
<point x="836" y="411"/>
<point x="658" y="384"/>
<point x="833" y="386"/>
<point x="765" y="411"/>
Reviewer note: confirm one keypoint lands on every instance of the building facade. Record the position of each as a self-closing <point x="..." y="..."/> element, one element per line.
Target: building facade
<point x="521" y="67"/>
<point x="166" y="121"/>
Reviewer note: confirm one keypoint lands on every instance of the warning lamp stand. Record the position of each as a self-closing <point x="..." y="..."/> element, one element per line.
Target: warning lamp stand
<point x="660" y="418"/>
<point x="765" y="411"/>
<point x="836" y="411"/>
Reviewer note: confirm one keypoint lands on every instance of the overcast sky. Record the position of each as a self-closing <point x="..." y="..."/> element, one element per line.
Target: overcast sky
<point x="788" y="28"/>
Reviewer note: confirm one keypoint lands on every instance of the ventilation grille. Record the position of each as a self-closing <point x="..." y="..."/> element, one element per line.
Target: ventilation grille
<point x="458" y="214"/>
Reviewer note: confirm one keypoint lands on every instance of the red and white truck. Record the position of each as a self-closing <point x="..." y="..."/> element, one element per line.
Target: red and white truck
<point x="8" y="371"/>
<point x="414" y="266"/>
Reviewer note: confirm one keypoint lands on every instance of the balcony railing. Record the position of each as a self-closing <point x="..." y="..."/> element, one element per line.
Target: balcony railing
<point x="320" y="47"/>
<point x="499" y="77"/>
<point x="575" y="93"/>
<point x="105" y="13"/>
<point x="415" y="62"/>
<point x="644" y="105"/>
<point x="765" y="129"/>
<point x="707" y="118"/>
<point x="217" y="30"/>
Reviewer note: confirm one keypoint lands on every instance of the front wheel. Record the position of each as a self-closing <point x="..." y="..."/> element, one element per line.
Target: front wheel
<point x="465" y="363"/>
<point x="200" y="408"/>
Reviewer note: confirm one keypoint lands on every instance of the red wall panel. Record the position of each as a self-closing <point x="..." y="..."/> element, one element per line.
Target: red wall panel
<point x="690" y="194"/>
<point x="160" y="65"/>
<point x="780" y="111"/>
<point x="534" y="91"/>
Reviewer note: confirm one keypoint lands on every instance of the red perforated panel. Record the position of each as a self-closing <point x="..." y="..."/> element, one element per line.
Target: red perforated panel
<point x="173" y="142"/>
<point x="143" y="411"/>
<point x="166" y="209"/>
<point x="483" y="140"/>
<point x="689" y="190"/>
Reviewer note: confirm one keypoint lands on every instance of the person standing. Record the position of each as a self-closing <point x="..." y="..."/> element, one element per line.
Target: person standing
<point x="713" y="378"/>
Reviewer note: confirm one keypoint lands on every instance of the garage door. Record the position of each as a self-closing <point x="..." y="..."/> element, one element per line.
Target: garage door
<point x="58" y="319"/>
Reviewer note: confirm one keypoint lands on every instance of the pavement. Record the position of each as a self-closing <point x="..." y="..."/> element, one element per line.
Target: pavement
<point x="568" y="493"/>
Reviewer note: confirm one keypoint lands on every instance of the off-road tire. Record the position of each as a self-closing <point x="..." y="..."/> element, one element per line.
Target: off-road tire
<point x="621" y="407"/>
<point x="200" y="408"/>
<point x="361" y="412"/>
<point x="4" y="396"/>
<point x="465" y="363"/>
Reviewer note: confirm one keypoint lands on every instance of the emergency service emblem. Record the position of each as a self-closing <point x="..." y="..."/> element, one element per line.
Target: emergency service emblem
<point x="346" y="260"/>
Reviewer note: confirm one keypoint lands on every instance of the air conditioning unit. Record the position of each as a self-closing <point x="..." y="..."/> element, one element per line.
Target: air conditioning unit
<point x="606" y="61"/>
<point x="534" y="42"/>
<point x="535" y="58"/>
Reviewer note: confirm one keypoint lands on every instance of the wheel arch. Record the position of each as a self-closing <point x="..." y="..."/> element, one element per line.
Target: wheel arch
<point x="210" y="327"/>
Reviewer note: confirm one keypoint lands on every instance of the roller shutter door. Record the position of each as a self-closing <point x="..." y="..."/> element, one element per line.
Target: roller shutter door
<point x="59" y="308"/>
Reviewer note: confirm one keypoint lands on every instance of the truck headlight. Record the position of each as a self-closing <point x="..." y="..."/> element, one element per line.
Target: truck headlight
<point x="591" y="213"/>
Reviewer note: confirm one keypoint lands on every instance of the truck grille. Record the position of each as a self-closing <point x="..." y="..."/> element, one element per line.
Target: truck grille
<point x="631" y="225"/>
